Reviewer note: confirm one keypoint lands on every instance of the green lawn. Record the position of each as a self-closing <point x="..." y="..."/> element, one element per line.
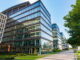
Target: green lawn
<point x="24" y="56"/>
<point x="29" y="57"/>
<point x="6" y="56"/>
<point x="32" y="57"/>
<point x="78" y="58"/>
<point x="78" y="55"/>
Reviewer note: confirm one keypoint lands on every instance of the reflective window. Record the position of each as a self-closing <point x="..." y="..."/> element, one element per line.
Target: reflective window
<point x="27" y="13"/>
<point x="43" y="22"/>
<point x="46" y="36"/>
<point x="46" y="30"/>
<point x="44" y="9"/>
<point x="45" y="19"/>
<point x="27" y="8"/>
<point x="25" y="18"/>
<point x="46" y="45"/>
<point x="48" y="17"/>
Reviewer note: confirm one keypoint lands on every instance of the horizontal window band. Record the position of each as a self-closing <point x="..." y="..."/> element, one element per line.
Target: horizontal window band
<point x="22" y="33"/>
<point x="46" y="33"/>
<point x="45" y="16"/>
<point x="45" y="21"/>
<point x="23" y="17"/>
<point x="46" y="39"/>
<point x="22" y="22"/>
<point x="24" y="12"/>
<point x="46" y="27"/>
<point x="28" y="15"/>
<point x="25" y="39"/>
<point x="23" y="27"/>
<point x="25" y="46"/>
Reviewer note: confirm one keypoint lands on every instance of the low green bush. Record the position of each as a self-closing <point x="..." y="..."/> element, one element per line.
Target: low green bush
<point x="21" y="54"/>
<point x="79" y="51"/>
<point x="56" y="50"/>
<point x="78" y="58"/>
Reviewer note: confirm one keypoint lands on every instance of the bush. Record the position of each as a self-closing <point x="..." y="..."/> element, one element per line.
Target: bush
<point x="78" y="58"/>
<point x="56" y="50"/>
<point x="20" y="54"/>
<point x="79" y="51"/>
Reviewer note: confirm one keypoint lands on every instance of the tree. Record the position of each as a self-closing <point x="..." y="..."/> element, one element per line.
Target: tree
<point x="72" y="21"/>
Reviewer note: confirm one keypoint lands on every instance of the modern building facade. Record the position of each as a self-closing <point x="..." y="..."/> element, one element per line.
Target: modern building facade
<point x="28" y="28"/>
<point x="3" y="19"/>
<point x="56" y="36"/>
<point x="65" y="45"/>
<point x="59" y="40"/>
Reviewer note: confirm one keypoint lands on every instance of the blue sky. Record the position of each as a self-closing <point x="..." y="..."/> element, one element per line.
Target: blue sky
<point x="57" y="8"/>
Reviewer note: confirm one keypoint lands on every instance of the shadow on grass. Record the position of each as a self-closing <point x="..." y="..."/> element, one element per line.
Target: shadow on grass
<point x="6" y="58"/>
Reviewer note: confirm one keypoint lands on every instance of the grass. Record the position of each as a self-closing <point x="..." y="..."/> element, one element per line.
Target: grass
<point x="29" y="57"/>
<point x="33" y="57"/>
<point x="6" y="56"/>
<point x="78" y="57"/>
<point x="20" y="56"/>
<point x="26" y="57"/>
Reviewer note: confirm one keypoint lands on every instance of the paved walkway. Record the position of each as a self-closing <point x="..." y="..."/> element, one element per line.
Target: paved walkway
<point x="67" y="55"/>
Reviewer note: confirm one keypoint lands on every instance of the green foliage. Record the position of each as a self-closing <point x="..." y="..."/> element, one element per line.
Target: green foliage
<point x="21" y="54"/>
<point x="79" y="51"/>
<point x="72" y="21"/>
<point x="4" y="56"/>
<point x="56" y="50"/>
<point x="78" y="57"/>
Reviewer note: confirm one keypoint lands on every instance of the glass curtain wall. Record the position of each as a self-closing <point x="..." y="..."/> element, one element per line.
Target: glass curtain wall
<point x="29" y="29"/>
<point x="46" y="30"/>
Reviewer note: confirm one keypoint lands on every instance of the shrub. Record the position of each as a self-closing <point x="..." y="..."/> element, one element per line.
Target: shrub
<point x="79" y="51"/>
<point x="56" y="50"/>
<point x="20" y="54"/>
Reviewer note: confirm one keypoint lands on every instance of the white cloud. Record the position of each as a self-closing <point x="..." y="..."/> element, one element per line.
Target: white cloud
<point x="31" y="1"/>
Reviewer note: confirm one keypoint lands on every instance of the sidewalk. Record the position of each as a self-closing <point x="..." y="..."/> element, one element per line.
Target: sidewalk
<point x="67" y="55"/>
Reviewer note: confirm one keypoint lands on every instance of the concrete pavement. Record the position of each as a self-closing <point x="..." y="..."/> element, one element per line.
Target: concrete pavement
<point x="67" y="55"/>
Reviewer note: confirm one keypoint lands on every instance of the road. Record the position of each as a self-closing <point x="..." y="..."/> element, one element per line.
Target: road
<point x="67" y="55"/>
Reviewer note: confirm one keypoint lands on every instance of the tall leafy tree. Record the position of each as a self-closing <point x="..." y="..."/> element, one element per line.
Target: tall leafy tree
<point x="72" y="21"/>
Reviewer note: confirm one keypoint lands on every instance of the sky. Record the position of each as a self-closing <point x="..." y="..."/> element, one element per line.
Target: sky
<point x="57" y="8"/>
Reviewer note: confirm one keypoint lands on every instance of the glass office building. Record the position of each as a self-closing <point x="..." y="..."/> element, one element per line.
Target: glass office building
<point x="64" y="43"/>
<point x="57" y="42"/>
<point x="28" y="28"/>
<point x="3" y="19"/>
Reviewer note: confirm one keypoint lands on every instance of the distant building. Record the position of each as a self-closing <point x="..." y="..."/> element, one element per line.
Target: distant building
<point x="64" y="42"/>
<point x="3" y="19"/>
<point x="59" y="41"/>
<point x="56" y="36"/>
<point x="28" y="28"/>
